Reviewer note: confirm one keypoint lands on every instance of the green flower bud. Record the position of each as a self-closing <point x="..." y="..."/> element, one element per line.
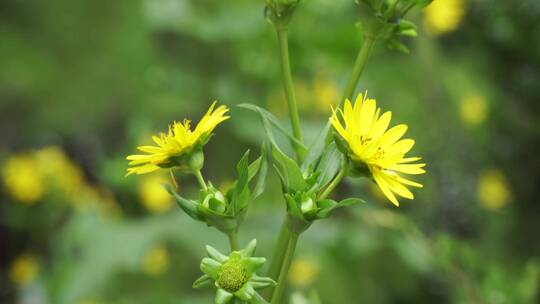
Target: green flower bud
<point x="234" y="275"/>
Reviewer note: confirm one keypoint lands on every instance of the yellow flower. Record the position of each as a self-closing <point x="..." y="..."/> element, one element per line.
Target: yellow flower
<point x="325" y="91"/>
<point x="177" y="144"/>
<point x="473" y="109"/>
<point x="23" y="179"/>
<point x="443" y="16"/>
<point x="152" y="194"/>
<point x="24" y="269"/>
<point x="493" y="190"/>
<point x="67" y="176"/>
<point x="377" y="149"/>
<point x="303" y="272"/>
<point x="156" y="261"/>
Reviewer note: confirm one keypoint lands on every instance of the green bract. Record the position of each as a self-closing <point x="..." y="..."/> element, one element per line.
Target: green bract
<point x="383" y="19"/>
<point x="226" y="211"/>
<point x="304" y="186"/>
<point x="234" y="275"/>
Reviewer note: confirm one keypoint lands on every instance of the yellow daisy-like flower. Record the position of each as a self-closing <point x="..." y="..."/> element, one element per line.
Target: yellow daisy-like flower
<point x="444" y="16"/>
<point x="175" y="147"/>
<point x="372" y="145"/>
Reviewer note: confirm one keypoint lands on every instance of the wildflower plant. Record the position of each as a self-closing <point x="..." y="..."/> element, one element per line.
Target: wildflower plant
<point x="358" y="140"/>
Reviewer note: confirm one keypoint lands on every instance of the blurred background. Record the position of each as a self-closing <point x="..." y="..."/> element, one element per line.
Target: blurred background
<point x="82" y="83"/>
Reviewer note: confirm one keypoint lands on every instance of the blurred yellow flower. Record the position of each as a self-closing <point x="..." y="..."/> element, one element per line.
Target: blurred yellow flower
<point x="24" y="269"/>
<point x="23" y="179"/>
<point x="177" y="143"/>
<point x="156" y="261"/>
<point x="65" y="175"/>
<point x="326" y="92"/>
<point x="443" y="16"/>
<point x="152" y="194"/>
<point x="313" y="98"/>
<point x="303" y="272"/>
<point x="493" y="190"/>
<point x="377" y="149"/>
<point x="473" y="109"/>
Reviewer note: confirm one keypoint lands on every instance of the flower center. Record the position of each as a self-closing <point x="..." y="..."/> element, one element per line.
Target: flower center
<point x="232" y="276"/>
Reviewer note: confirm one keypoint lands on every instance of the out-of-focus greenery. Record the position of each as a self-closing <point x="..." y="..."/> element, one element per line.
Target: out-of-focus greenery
<point x="84" y="82"/>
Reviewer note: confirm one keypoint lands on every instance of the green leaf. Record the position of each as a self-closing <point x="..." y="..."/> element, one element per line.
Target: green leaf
<point x="316" y="149"/>
<point x="406" y="28"/>
<point x="240" y="197"/>
<point x="398" y="46"/>
<point x="289" y="171"/>
<point x="261" y="180"/>
<point x="327" y="206"/>
<point x="190" y="207"/>
<point x="292" y="206"/>
<point x="329" y="164"/>
<point x="269" y="119"/>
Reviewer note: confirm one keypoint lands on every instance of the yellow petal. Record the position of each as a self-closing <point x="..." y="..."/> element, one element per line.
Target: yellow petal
<point x="377" y="176"/>
<point x="401" y="147"/>
<point x="367" y="114"/>
<point x="408" y="168"/>
<point x="381" y="125"/>
<point x="393" y="135"/>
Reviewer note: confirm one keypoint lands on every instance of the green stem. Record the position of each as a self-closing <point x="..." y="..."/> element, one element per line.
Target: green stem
<point x="289" y="88"/>
<point x="333" y="184"/>
<point x="279" y="253"/>
<point x="284" y="271"/>
<point x="233" y="240"/>
<point x="200" y="179"/>
<point x="358" y="68"/>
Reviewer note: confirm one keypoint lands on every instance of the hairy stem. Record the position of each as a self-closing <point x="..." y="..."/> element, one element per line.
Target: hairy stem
<point x="200" y="179"/>
<point x="233" y="240"/>
<point x="358" y="68"/>
<point x="333" y="184"/>
<point x="284" y="271"/>
<point x="289" y="88"/>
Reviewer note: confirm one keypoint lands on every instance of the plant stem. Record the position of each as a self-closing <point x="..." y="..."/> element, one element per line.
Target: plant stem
<point x="279" y="253"/>
<point x="200" y="179"/>
<point x="289" y="87"/>
<point x="233" y="240"/>
<point x="288" y="256"/>
<point x="358" y="68"/>
<point x="333" y="184"/>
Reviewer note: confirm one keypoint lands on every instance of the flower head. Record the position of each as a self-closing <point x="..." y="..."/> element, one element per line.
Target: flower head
<point x="234" y="275"/>
<point x="376" y="150"/>
<point x="178" y="147"/>
<point x="444" y="16"/>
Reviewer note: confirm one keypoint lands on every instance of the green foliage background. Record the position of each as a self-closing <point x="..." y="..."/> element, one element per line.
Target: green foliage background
<point x="96" y="77"/>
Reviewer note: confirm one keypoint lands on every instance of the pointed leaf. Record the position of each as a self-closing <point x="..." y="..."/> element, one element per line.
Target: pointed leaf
<point x="291" y="174"/>
<point x="215" y="254"/>
<point x="316" y="148"/>
<point x="329" y="164"/>
<point x="203" y="281"/>
<point x="249" y="249"/>
<point x="261" y="180"/>
<point x="210" y="267"/>
<point x="271" y="119"/>
<point x="190" y="207"/>
<point x="328" y="206"/>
